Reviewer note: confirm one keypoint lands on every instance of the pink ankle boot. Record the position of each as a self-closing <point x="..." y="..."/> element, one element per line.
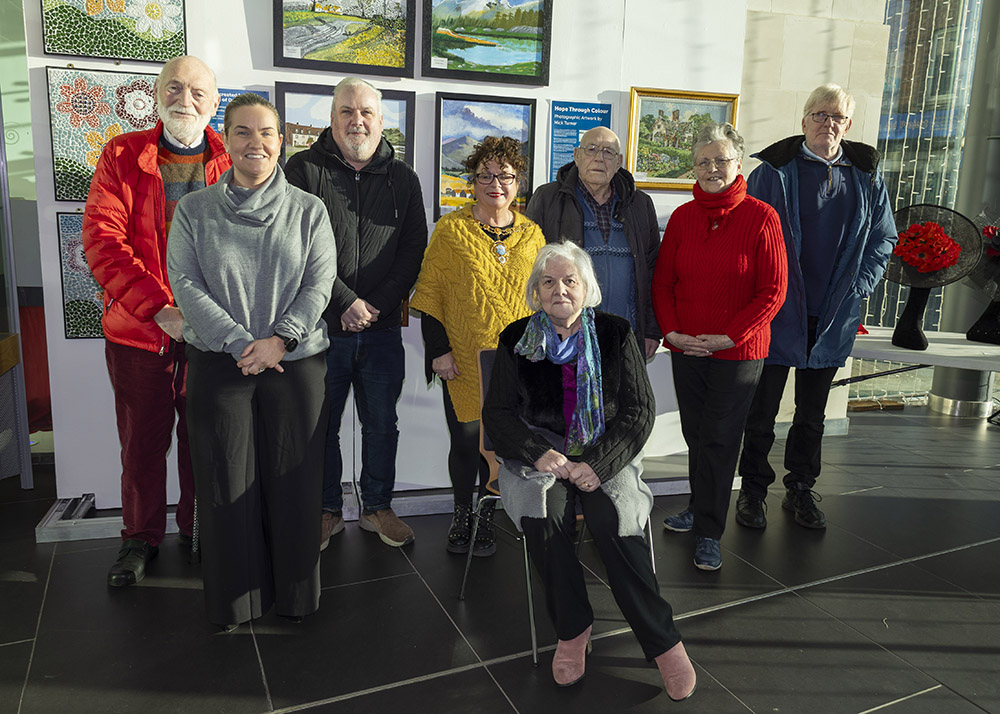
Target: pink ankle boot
<point x="570" y="659"/>
<point x="679" y="677"/>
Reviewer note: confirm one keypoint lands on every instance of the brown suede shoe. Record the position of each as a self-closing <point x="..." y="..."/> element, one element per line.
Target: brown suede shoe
<point x="570" y="659"/>
<point x="390" y="529"/>
<point x="332" y="525"/>
<point x="679" y="678"/>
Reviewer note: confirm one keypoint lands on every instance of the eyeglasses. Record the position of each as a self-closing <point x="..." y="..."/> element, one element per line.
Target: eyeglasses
<point x="605" y="153"/>
<point x="487" y="179"/>
<point x="709" y="164"/>
<point x="821" y="117"/>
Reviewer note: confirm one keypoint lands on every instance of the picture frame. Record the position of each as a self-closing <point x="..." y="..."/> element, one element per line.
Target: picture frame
<point x="305" y="111"/>
<point x="113" y="29"/>
<point x="662" y="123"/>
<point x="461" y="122"/>
<point x="362" y="43"/>
<point x="87" y="108"/>
<point x="506" y="42"/>
<point x="82" y="297"/>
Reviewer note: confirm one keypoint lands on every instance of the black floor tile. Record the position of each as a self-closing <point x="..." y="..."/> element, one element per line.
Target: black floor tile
<point x="356" y="556"/>
<point x="13" y="668"/>
<point x="973" y="570"/>
<point x="24" y="569"/>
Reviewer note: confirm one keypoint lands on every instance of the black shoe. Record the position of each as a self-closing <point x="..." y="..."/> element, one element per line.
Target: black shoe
<point x="460" y="532"/>
<point x="802" y="501"/>
<point x="131" y="565"/>
<point x="486" y="537"/>
<point x="750" y="510"/>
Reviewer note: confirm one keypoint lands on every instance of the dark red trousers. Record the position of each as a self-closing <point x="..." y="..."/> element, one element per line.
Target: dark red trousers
<point x="149" y="388"/>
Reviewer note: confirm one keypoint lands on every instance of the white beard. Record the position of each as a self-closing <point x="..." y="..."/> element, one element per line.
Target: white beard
<point x="359" y="147"/>
<point x="187" y="129"/>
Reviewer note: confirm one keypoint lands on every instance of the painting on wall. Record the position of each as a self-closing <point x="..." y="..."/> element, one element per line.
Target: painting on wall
<point x="86" y="110"/>
<point x="505" y="41"/>
<point x="347" y="36"/>
<point x="82" y="296"/>
<point x="305" y="111"/>
<point x="145" y="30"/>
<point x="661" y="126"/>
<point x="464" y="120"/>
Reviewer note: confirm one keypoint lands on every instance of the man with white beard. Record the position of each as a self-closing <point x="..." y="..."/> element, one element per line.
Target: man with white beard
<point x="377" y="213"/>
<point x="138" y="181"/>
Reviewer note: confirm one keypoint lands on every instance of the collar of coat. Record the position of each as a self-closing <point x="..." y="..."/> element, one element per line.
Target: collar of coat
<point x="622" y="182"/>
<point x="863" y="156"/>
<point x="379" y="164"/>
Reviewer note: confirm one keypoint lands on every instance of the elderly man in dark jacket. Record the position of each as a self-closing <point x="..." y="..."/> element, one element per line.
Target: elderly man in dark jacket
<point x="594" y="203"/>
<point x="839" y="233"/>
<point x="378" y="218"/>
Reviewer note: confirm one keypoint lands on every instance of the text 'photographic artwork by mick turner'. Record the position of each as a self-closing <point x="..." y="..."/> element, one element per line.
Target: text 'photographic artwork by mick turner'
<point x="86" y="110"/>
<point x="82" y="297"/>
<point x="145" y="30"/>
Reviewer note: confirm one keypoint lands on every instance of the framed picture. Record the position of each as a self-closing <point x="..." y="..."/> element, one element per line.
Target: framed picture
<point x="346" y="36"/>
<point x="505" y="41"/>
<point x="83" y="301"/>
<point x="464" y="120"/>
<point x="661" y="126"/>
<point x="145" y="30"/>
<point x="88" y="108"/>
<point x="305" y="111"/>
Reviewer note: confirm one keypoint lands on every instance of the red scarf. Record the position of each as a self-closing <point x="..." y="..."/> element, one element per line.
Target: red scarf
<point x="716" y="206"/>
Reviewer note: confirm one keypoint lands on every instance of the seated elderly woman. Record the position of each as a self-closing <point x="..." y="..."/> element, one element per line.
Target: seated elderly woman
<point x="719" y="281"/>
<point x="569" y="409"/>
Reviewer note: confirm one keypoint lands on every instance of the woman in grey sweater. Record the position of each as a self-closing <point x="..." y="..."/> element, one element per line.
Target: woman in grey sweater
<point x="251" y="260"/>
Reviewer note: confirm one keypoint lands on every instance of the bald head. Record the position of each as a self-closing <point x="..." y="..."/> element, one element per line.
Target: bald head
<point x="597" y="159"/>
<point x="186" y="97"/>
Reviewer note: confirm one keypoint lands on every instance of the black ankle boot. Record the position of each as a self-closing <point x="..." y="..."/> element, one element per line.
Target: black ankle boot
<point x="486" y="537"/>
<point x="987" y="327"/>
<point x="461" y="529"/>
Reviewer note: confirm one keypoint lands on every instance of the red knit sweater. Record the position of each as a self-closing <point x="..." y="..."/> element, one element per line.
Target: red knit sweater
<point x="722" y="270"/>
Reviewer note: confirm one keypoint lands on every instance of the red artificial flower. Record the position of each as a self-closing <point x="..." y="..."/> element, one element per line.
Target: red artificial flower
<point x="993" y="233"/>
<point x="927" y="248"/>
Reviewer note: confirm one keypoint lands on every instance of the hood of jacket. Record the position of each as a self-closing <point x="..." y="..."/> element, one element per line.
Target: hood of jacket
<point x="622" y="182"/>
<point x="864" y="157"/>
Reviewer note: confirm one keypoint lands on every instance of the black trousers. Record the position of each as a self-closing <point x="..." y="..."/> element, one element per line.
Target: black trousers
<point x="465" y="461"/>
<point x="553" y="551"/>
<point x="713" y="396"/>
<point x="257" y="450"/>
<point x="805" y="436"/>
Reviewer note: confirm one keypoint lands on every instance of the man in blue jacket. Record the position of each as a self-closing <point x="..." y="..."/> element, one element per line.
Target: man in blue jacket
<point x="839" y="233"/>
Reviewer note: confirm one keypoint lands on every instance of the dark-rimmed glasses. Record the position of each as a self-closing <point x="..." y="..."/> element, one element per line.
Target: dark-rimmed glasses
<point x="485" y="179"/>
<point x="821" y="117"/>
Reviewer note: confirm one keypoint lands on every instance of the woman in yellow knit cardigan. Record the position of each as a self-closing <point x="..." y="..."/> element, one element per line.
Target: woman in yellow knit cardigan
<point x="471" y="286"/>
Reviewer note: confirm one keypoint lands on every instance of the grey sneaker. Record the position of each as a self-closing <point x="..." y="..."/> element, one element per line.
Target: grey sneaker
<point x="390" y="529"/>
<point x="332" y="525"/>
<point x="707" y="554"/>
<point x="681" y="523"/>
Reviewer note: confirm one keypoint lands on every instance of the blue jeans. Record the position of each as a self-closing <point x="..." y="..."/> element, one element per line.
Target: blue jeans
<point x="373" y="363"/>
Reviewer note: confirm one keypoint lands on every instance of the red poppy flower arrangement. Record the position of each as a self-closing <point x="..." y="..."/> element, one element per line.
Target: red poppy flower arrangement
<point x="927" y="247"/>
<point x="993" y="233"/>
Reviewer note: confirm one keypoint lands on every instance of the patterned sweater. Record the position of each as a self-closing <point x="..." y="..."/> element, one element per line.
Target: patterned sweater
<point x="463" y="285"/>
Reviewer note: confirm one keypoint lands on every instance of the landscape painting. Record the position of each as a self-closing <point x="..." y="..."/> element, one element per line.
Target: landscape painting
<point x="488" y="40"/>
<point x="305" y="111"/>
<point x="662" y="124"/>
<point x="348" y="36"/>
<point x="464" y="120"/>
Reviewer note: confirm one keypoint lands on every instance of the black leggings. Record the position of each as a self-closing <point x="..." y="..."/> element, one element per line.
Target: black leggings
<point x="464" y="459"/>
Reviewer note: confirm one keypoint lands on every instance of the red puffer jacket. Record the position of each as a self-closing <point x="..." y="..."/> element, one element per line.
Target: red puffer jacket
<point x="124" y="235"/>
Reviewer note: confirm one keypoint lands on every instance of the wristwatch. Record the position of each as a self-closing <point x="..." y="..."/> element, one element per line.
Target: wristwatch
<point x="290" y="342"/>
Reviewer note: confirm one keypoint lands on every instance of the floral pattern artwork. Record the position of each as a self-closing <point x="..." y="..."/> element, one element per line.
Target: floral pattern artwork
<point x="146" y="30"/>
<point x="82" y="297"/>
<point x="87" y="109"/>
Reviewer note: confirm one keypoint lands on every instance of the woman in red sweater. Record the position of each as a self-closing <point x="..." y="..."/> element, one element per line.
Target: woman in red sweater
<point x="719" y="281"/>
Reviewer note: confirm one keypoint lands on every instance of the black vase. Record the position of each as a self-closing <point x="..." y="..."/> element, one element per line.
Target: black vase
<point x="909" y="331"/>
<point x="987" y="327"/>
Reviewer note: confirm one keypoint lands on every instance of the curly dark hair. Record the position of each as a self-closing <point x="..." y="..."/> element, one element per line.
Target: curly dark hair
<point x="503" y="150"/>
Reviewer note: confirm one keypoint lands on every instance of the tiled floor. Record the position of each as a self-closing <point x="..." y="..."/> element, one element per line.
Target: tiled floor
<point x="894" y="608"/>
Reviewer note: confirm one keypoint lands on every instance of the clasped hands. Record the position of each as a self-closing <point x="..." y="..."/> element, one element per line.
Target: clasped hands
<point x="359" y="316"/>
<point x="580" y="474"/>
<point x="262" y="354"/>
<point x="700" y="346"/>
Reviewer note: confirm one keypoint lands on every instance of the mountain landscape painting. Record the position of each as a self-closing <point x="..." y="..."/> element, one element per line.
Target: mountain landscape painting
<point x="464" y="121"/>
<point x="369" y="36"/>
<point x="489" y="40"/>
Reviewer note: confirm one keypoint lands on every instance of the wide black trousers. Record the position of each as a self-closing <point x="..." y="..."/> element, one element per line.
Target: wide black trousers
<point x="713" y="397"/>
<point x="257" y="451"/>
<point x="626" y="559"/>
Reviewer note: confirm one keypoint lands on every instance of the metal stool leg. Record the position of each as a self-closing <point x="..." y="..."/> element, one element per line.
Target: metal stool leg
<point x="195" y="537"/>
<point x="472" y="539"/>
<point x="531" y="603"/>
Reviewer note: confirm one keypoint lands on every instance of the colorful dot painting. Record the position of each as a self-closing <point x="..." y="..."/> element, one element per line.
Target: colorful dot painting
<point x="147" y="30"/>
<point x="82" y="297"/>
<point x="86" y="110"/>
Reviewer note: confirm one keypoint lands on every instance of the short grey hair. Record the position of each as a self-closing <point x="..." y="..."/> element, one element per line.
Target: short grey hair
<point x="574" y="254"/>
<point x="349" y="82"/>
<point x="827" y="94"/>
<point x="713" y="132"/>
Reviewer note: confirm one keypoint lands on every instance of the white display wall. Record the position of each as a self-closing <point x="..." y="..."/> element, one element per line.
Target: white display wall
<point x="600" y="48"/>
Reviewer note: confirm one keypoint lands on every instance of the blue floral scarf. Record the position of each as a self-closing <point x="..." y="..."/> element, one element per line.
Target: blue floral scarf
<point x="540" y="341"/>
